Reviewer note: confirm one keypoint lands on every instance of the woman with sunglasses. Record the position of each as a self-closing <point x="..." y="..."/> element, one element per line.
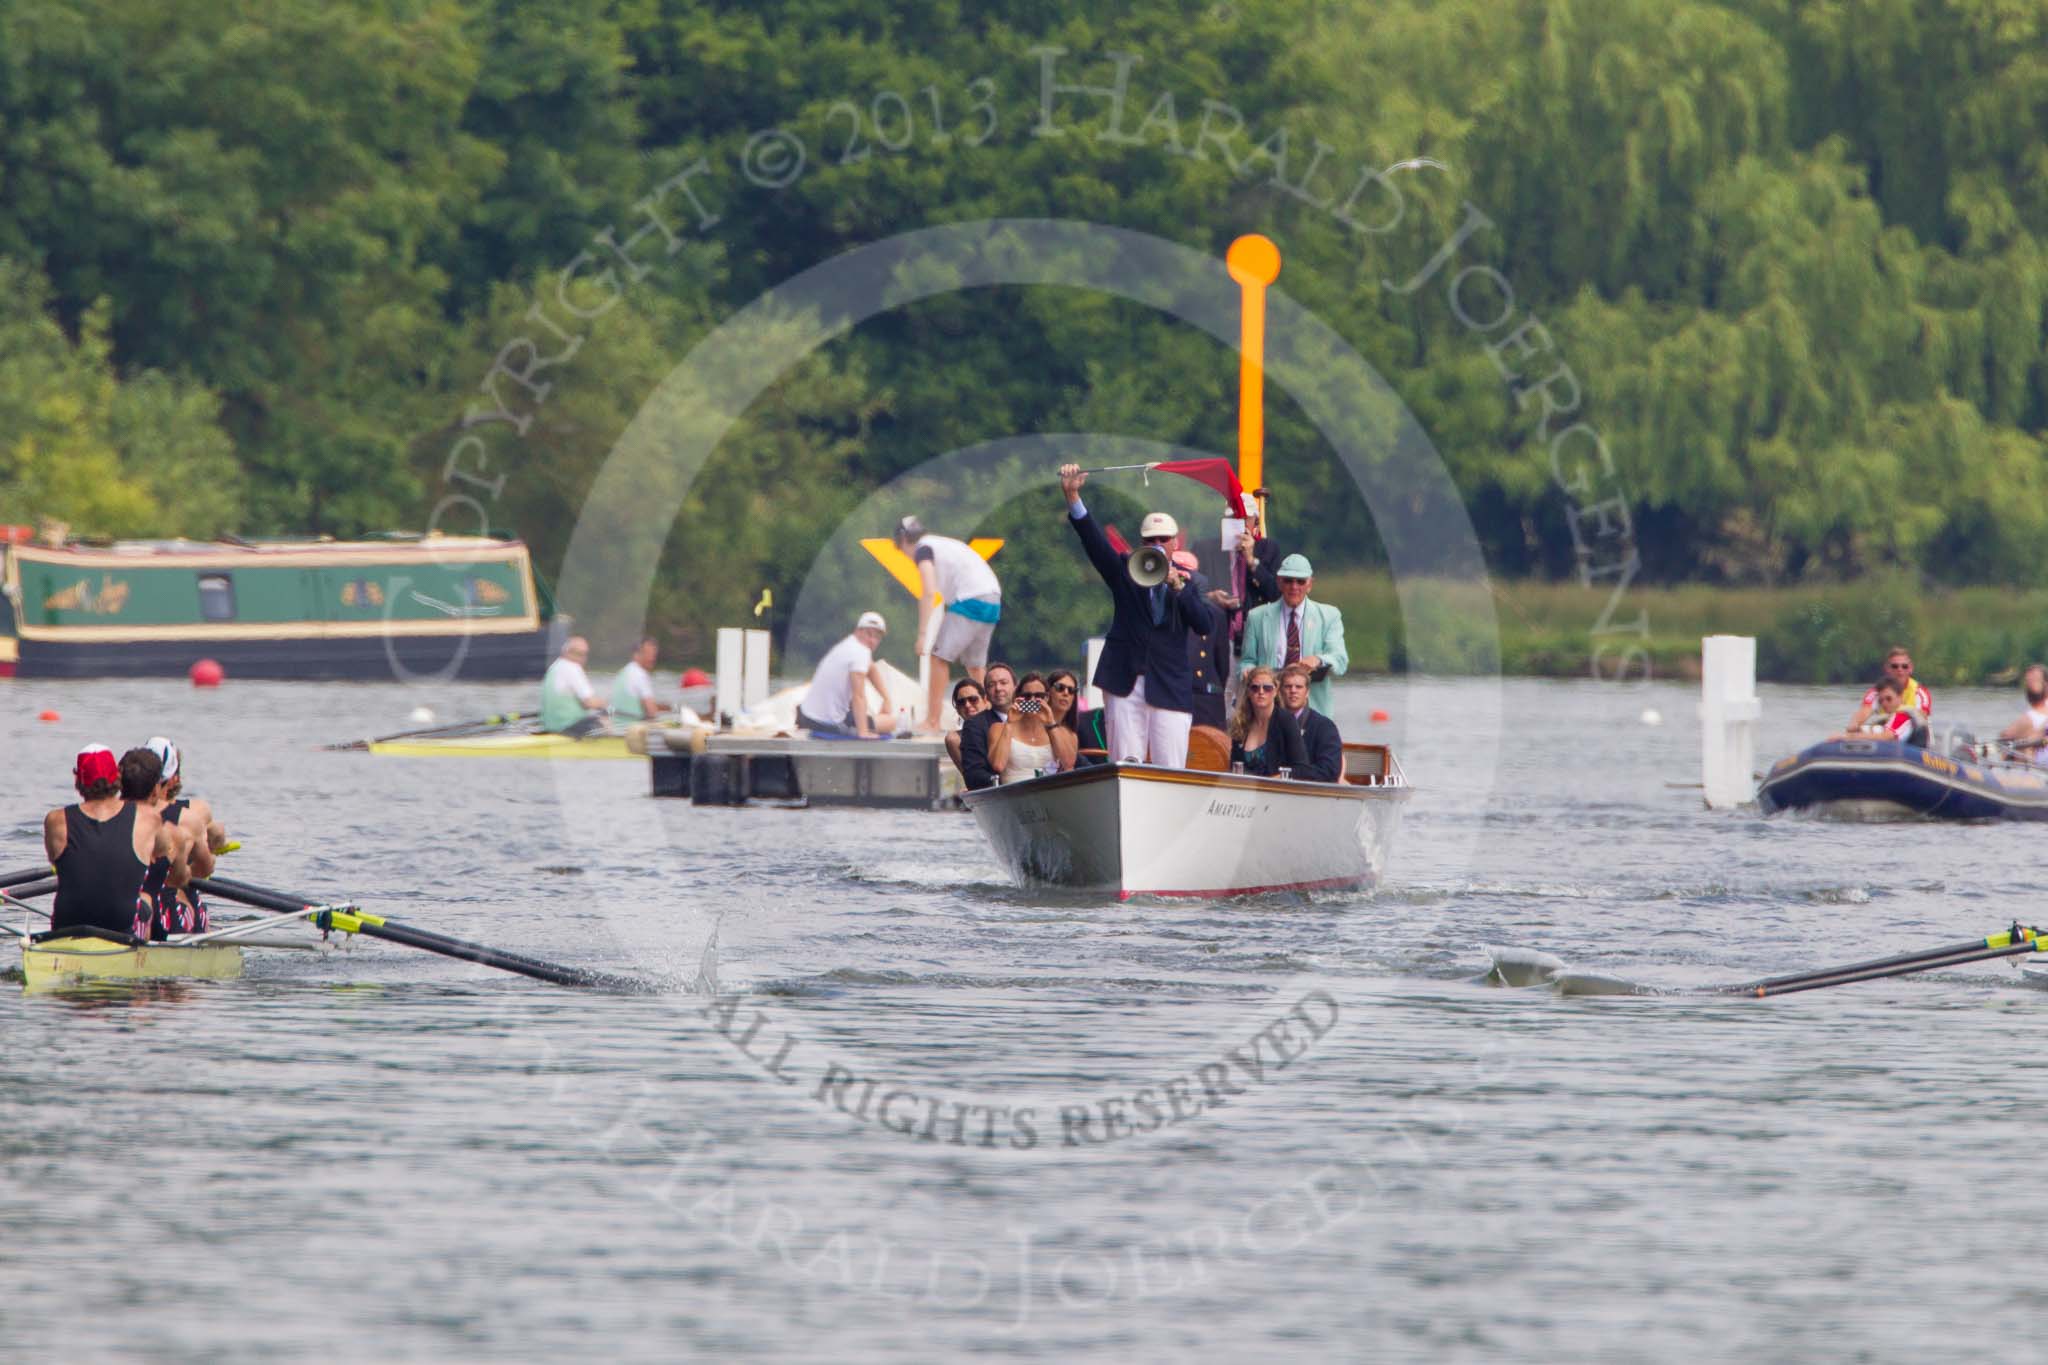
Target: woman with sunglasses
<point x="1263" y="736"/>
<point x="1066" y="712"/>
<point x="1028" y="741"/>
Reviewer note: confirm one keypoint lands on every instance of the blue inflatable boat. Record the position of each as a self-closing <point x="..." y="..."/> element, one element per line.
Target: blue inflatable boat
<point x="1884" y="779"/>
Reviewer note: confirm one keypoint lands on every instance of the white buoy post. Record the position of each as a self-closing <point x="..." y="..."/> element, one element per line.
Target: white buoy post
<point x="754" y="676"/>
<point x="1728" y="714"/>
<point x="726" y="686"/>
<point x="1091" y="694"/>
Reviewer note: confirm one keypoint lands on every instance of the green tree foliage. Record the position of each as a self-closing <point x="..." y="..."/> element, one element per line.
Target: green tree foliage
<point x="78" y="446"/>
<point x="1794" y="253"/>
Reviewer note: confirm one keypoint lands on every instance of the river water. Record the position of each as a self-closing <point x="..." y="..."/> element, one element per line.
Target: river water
<point x="855" y="1148"/>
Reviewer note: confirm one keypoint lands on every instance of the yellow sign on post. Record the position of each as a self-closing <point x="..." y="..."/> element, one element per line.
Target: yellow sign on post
<point x="1254" y="262"/>
<point x="904" y="570"/>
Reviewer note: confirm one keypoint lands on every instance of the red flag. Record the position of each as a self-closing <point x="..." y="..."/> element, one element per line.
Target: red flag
<point x="1116" y="540"/>
<point x="1214" y="473"/>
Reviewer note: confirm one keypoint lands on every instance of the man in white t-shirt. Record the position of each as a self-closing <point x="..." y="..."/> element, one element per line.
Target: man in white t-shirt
<point x="960" y="585"/>
<point x="633" y="689"/>
<point x="568" y="706"/>
<point x="836" y="703"/>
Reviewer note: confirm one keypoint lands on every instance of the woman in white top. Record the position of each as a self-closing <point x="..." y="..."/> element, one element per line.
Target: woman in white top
<point x="1018" y="748"/>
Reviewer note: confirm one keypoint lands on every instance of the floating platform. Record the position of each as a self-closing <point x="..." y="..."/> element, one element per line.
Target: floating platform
<point x="740" y="770"/>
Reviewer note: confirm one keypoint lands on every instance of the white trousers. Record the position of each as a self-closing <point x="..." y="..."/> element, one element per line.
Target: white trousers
<point x="1136" y="728"/>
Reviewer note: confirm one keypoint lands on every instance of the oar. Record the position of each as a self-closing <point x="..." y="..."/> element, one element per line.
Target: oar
<point x="2011" y="943"/>
<point x="251" y="926"/>
<point x="26" y="874"/>
<point x="41" y="888"/>
<point x="486" y="723"/>
<point x="376" y="926"/>
<point x="23" y="934"/>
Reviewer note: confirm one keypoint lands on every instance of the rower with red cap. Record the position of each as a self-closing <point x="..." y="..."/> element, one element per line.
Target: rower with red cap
<point x="104" y="847"/>
<point x="179" y="908"/>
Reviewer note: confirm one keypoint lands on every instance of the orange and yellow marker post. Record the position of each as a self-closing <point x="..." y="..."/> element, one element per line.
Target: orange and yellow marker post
<point x="1254" y="262"/>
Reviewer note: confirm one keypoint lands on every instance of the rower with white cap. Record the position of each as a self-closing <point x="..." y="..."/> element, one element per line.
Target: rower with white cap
<point x="836" y="704"/>
<point x="180" y="909"/>
<point x="1295" y="630"/>
<point x="1146" y="680"/>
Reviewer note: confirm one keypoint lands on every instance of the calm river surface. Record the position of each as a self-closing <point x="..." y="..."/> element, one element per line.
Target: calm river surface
<point x="380" y="1154"/>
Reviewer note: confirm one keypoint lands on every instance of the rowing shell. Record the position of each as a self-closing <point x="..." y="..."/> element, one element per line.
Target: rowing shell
<point x="507" y="746"/>
<point x="58" y="962"/>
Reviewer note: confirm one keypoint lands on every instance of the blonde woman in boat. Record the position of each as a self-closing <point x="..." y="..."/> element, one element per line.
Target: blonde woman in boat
<point x="1027" y="742"/>
<point x="1263" y="736"/>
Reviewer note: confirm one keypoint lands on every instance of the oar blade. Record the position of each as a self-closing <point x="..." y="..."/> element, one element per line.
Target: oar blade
<point x="1519" y="968"/>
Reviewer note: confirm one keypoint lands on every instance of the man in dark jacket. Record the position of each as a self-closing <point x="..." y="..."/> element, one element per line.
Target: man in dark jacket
<point x="1254" y="568"/>
<point x="970" y="755"/>
<point x="1318" y="732"/>
<point x="1209" y="654"/>
<point x="1146" y="683"/>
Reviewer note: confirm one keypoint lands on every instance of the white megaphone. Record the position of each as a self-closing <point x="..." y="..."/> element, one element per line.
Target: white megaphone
<point x="1149" y="565"/>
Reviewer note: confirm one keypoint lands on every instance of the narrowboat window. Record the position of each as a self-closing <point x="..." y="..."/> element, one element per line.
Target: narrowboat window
<point x="216" y="597"/>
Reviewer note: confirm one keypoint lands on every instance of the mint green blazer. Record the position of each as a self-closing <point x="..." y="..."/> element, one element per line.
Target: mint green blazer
<point x="1322" y="634"/>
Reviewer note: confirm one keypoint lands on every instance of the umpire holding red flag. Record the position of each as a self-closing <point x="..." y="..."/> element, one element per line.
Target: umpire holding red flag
<point x="1144" y="674"/>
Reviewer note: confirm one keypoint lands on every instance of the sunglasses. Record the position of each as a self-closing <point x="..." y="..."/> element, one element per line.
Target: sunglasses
<point x="968" y="698"/>
<point x="1294" y="580"/>
<point x="1159" y="540"/>
<point x="1067" y="688"/>
<point x="1031" y="696"/>
<point x="1905" y="667"/>
<point x="1262" y="687"/>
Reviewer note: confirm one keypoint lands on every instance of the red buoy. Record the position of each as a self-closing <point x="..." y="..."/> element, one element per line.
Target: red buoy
<point x="48" y="716"/>
<point x="696" y="677"/>
<point x="1380" y="717"/>
<point x="207" y="673"/>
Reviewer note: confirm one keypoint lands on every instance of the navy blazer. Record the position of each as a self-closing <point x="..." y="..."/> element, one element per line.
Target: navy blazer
<point x="1209" y="653"/>
<point x="1134" y="645"/>
<point x="1325" y="748"/>
<point x="1284" y="748"/>
<point x="974" y="767"/>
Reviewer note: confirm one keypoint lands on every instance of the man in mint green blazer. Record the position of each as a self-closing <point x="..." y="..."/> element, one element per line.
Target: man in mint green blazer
<point x="1294" y="629"/>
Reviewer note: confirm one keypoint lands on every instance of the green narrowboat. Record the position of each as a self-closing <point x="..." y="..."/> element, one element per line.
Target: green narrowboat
<point x="406" y="608"/>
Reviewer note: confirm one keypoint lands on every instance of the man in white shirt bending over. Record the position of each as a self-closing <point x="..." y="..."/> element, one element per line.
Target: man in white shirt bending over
<point x="836" y="704"/>
<point x="633" y="689"/>
<point x="971" y="599"/>
<point x="568" y="706"/>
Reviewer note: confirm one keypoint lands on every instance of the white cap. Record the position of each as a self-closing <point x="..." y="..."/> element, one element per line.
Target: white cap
<point x="167" y="754"/>
<point x="871" y="620"/>
<point x="1157" y="524"/>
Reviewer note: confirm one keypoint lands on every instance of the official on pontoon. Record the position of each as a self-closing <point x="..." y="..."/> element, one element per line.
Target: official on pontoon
<point x="836" y="704"/>
<point x="971" y="602"/>
<point x="1144" y="675"/>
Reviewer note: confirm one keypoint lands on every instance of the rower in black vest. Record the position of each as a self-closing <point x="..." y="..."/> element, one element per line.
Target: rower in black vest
<point x="102" y="848"/>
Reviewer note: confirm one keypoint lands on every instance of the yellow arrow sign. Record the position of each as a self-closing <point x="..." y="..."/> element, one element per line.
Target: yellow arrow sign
<point x="904" y="570"/>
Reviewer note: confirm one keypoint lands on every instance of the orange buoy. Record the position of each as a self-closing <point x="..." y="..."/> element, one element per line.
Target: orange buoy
<point x="207" y="673"/>
<point x="696" y="677"/>
<point x="1380" y="717"/>
<point x="48" y="716"/>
